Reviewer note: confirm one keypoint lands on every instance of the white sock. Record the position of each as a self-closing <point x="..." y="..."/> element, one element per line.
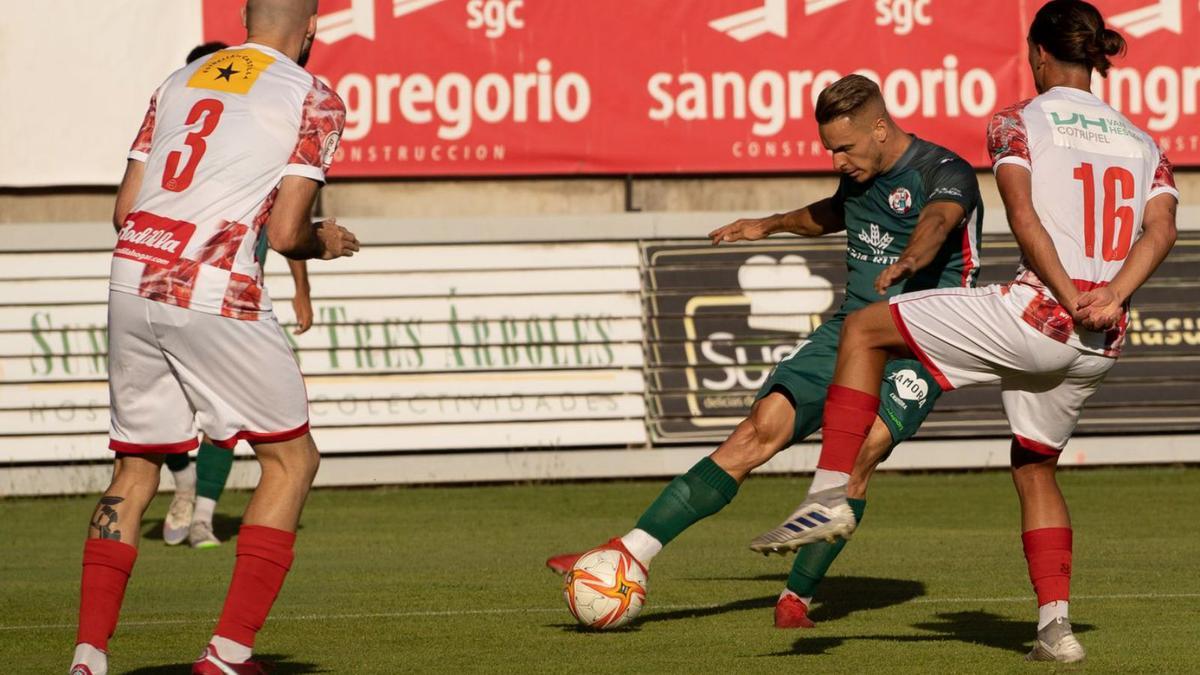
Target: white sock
<point x="185" y="481"/>
<point x="807" y="601"/>
<point x="824" y="479"/>
<point x="228" y="650"/>
<point x="1050" y="611"/>
<point x="204" y="510"/>
<point x="643" y="546"/>
<point x="94" y="659"/>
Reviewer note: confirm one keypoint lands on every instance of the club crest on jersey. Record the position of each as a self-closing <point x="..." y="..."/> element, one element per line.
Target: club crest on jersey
<point x="153" y="240"/>
<point x="900" y="200"/>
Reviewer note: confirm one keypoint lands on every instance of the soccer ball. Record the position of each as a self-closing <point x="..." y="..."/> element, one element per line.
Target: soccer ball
<point x="605" y="589"/>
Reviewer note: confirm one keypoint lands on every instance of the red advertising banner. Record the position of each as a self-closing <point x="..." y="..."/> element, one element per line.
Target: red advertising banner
<point x="479" y="87"/>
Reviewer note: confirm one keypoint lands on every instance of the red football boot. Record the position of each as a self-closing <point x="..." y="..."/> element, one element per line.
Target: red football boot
<point x="790" y="612"/>
<point x="210" y="663"/>
<point x="561" y="564"/>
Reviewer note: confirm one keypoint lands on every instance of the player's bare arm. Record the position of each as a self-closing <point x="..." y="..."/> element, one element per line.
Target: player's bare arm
<point x="816" y="219"/>
<point x="1102" y="308"/>
<point x="938" y="220"/>
<point x="302" y="298"/>
<point x="1016" y="190"/>
<point x="131" y="184"/>
<point x="291" y="232"/>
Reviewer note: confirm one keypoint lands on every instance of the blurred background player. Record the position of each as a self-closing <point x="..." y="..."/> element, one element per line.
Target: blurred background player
<point x="233" y="148"/>
<point x="1091" y="201"/>
<point x="912" y="214"/>
<point x="198" y="486"/>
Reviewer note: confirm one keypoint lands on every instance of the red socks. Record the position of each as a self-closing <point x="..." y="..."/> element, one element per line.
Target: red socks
<point x="849" y="414"/>
<point x="106" y="567"/>
<point x="1048" y="551"/>
<point x="264" y="556"/>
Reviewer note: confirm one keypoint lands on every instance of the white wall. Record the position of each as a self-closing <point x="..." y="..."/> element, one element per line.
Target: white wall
<point x="53" y="107"/>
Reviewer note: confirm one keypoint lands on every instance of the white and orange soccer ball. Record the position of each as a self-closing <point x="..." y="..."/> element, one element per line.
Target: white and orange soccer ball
<point x="605" y="589"/>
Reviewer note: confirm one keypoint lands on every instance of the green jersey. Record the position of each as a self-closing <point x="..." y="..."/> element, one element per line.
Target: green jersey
<point x="881" y="214"/>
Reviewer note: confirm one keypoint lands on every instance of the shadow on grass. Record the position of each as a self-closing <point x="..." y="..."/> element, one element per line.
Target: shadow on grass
<point x="281" y="667"/>
<point x="225" y="527"/>
<point x="846" y="595"/>
<point x="973" y="627"/>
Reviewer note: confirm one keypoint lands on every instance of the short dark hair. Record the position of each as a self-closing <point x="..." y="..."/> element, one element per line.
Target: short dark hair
<point x="205" y="49"/>
<point x="1073" y="31"/>
<point x="846" y="97"/>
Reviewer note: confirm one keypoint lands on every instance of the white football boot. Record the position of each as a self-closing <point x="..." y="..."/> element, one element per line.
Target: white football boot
<point x="824" y="515"/>
<point x="179" y="517"/>
<point x="1056" y="642"/>
<point x="200" y="535"/>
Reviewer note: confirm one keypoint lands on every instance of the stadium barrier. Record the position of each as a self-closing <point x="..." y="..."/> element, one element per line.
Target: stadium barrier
<point x="545" y="348"/>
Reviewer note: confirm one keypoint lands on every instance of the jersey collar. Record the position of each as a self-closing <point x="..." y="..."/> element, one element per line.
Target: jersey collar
<point x="905" y="158"/>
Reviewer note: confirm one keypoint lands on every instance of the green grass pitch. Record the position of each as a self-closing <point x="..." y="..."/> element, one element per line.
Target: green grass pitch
<point x="451" y="580"/>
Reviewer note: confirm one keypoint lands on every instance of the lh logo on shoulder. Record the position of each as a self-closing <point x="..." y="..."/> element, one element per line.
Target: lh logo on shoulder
<point x="153" y="240"/>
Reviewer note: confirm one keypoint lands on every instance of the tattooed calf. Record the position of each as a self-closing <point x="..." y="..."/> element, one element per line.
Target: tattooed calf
<point x="105" y="519"/>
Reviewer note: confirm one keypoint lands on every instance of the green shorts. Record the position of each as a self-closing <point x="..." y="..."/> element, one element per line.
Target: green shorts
<point x="905" y="398"/>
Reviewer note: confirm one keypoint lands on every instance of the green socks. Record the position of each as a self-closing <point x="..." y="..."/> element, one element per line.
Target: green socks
<point x="813" y="560"/>
<point x="212" y="470"/>
<point x="705" y="489"/>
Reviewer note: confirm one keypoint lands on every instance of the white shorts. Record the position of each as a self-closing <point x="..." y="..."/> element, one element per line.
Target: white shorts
<point x="967" y="336"/>
<point x="171" y="370"/>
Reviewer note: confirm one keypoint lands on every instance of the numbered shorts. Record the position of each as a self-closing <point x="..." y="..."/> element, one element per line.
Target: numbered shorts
<point x="171" y="370"/>
<point x="905" y="398"/>
<point x="967" y="336"/>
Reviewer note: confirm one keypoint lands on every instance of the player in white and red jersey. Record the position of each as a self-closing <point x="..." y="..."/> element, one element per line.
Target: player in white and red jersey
<point x="234" y="148"/>
<point x="1091" y="201"/>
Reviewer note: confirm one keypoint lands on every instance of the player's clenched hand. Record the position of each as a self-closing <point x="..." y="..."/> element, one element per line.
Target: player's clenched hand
<point x="1098" y="309"/>
<point x="743" y="229"/>
<point x="895" y="273"/>
<point x="336" y="241"/>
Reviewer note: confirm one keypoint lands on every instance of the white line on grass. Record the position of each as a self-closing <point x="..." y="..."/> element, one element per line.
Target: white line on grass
<point x="540" y="610"/>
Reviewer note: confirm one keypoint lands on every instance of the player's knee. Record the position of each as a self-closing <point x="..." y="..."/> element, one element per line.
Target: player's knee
<point x="752" y="444"/>
<point x="136" y="476"/>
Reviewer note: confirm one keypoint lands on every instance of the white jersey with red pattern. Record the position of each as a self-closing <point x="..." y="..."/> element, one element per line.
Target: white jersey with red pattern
<point x="220" y="135"/>
<point x="1093" y="173"/>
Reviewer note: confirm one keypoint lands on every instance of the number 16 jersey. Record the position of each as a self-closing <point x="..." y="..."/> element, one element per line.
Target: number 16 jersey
<point x="1093" y="172"/>
<point x="220" y="135"/>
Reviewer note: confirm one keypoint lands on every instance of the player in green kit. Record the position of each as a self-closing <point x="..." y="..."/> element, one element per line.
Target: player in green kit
<point x="198" y="486"/>
<point x="912" y="215"/>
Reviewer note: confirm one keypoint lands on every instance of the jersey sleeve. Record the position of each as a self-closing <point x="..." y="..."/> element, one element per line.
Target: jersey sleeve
<point x="321" y="124"/>
<point x="1164" y="179"/>
<point x="1008" y="141"/>
<point x="140" y="150"/>
<point x="953" y="180"/>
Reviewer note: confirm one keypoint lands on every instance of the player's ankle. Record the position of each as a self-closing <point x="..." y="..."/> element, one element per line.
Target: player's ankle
<point x="789" y="593"/>
<point x="231" y="651"/>
<point x="825" y="479"/>
<point x="642" y="546"/>
<point x="91" y="656"/>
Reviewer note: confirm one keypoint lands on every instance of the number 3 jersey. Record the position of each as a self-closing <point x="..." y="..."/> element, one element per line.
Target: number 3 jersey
<point x="220" y="135"/>
<point x="1093" y="172"/>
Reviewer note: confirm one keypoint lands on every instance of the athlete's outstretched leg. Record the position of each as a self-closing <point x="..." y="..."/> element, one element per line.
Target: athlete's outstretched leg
<point x="265" y="541"/>
<point x="869" y="339"/>
<point x="109" y="554"/>
<point x="713" y="482"/>
<point x="709" y="485"/>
